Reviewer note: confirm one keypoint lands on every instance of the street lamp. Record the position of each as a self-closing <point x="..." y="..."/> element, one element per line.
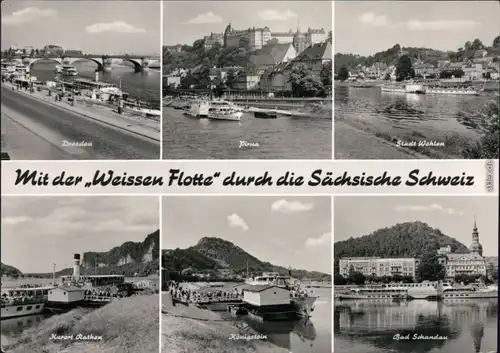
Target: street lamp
<point x="120" y="97"/>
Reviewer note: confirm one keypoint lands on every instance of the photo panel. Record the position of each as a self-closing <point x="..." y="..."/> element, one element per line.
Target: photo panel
<point x="81" y="80"/>
<point x="246" y="273"/>
<point x="417" y="274"/>
<point x="80" y="274"/>
<point x="247" y="80"/>
<point x="414" y="80"/>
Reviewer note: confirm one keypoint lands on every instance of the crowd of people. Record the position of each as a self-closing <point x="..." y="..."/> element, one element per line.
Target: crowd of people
<point x="186" y="295"/>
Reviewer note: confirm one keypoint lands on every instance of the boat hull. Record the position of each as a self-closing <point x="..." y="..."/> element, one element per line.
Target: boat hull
<point x="461" y="93"/>
<point x="11" y="311"/>
<point x="304" y="306"/>
<point x="470" y="295"/>
<point x="235" y="116"/>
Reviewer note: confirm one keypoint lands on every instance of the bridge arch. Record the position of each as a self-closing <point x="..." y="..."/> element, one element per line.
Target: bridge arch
<point x="31" y="62"/>
<point x="137" y="63"/>
<point x="100" y="65"/>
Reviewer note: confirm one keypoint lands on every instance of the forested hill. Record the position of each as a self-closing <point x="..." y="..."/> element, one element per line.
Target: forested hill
<point x="192" y="56"/>
<point x="389" y="57"/>
<point x="10" y="271"/>
<point x="431" y="56"/>
<point x="411" y="239"/>
<point x="215" y="253"/>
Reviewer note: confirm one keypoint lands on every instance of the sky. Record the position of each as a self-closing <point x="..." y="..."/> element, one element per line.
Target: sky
<point x="37" y="231"/>
<point x="453" y="215"/>
<point x="291" y="231"/>
<point x="184" y="22"/>
<point x="96" y="27"/>
<point x="367" y="27"/>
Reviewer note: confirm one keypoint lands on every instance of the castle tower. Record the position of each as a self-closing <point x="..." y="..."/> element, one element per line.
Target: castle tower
<point x="227" y="32"/>
<point x="299" y="41"/>
<point x="476" y="245"/>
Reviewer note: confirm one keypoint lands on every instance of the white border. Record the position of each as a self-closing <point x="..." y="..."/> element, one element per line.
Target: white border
<point x="161" y="81"/>
<point x="332" y="260"/>
<point x="160" y="273"/>
<point x="333" y="95"/>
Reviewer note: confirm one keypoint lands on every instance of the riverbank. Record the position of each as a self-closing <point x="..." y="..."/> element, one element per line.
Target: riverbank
<point x="126" y="326"/>
<point x="144" y="127"/>
<point x="187" y="329"/>
<point x="354" y="143"/>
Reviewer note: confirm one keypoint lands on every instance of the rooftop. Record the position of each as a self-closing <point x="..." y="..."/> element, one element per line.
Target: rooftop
<point x="259" y="288"/>
<point x="319" y="51"/>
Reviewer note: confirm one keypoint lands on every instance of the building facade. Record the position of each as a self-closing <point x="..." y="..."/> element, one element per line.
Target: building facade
<point x="258" y="37"/>
<point x="254" y="38"/>
<point x="472" y="263"/>
<point x="378" y="267"/>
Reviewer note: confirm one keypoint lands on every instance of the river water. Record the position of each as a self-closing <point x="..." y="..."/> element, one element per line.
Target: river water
<point x="451" y="119"/>
<point x="456" y="326"/>
<point x="140" y="85"/>
<point x="282" y="138"/>
<point x="304" y="336"/>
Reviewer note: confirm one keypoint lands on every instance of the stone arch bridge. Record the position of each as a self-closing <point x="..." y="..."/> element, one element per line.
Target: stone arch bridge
<point x="103" y="63"/>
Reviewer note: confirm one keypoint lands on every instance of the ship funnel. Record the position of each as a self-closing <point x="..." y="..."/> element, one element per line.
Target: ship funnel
<point x="96" y="76"/>
<point x="76" y="266"/>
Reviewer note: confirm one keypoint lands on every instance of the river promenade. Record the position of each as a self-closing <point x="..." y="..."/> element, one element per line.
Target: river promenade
<point x="39" y="127"/>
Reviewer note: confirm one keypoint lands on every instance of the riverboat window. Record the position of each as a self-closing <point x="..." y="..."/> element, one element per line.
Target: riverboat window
<point x="20" y="308"/>
<point x="29" y="307"/>
<point x="37" y="307"/>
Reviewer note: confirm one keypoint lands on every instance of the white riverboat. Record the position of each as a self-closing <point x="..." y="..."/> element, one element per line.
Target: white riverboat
<point x="469" y="292"/>
<point x="222" y="110"/>
<point x="407" y="88"/>
<point x="302" y="298"/>
<point x="396" y="291"/>
<point x="142" y="110"/>
<point x="66" y="70"/>
<point x="18" y="302"/>
<point x="453" y="91"/>
<point x="198" y="109"/>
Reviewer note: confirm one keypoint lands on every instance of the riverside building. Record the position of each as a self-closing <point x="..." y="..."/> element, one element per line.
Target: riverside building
<point x="379" y="267"/>
<point x="471" y="263"/>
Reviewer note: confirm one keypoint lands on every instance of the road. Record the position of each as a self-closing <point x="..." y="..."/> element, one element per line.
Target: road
<point x="35" y="130"/>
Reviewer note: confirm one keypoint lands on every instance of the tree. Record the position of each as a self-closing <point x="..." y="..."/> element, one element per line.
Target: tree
<point x="356" y="278"/>
<point x="496" y="42"/>
<point x="339" y="280"/>
<point x="32" y="53"/>
<point x="387" y="76"/>
<point x="37" y="52"/>
<point x="488" y="146"/>
<point x="230" y="78"/>
<point x="343" y="74"/>
<point x="198" y="45"/>
<point x="188" y="81"/>
<point x="330" y="37"/>
<point x="430" y="269"/>
<point x="477" y="44"/>
<point x="466" y="279"/>
<point x="326" y="74"/>
<point x="404" y="69"/>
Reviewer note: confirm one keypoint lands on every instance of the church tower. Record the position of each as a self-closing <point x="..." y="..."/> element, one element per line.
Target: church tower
<point x="476" y="245"/>
<point x="227" y="33"/>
